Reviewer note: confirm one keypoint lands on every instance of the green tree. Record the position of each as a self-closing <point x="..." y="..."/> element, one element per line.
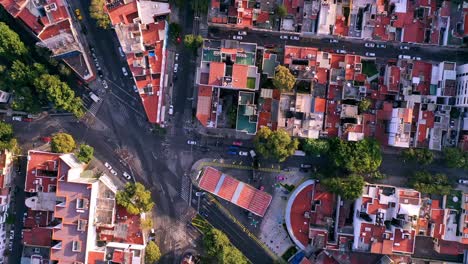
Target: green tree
<point x="86" y="153"/>
<point x="6" y="137"/>
<point x="62" y="143"/>
<point x="192" y="41"/>
<point x="364" y="105"/>
<point x="284" y="79"/>
<point x="11" y="46"/>
<point x="425" y="182"/>
<point x="275" y="144"/>
<point x="174" y="31"/>
<point x="96" y="11"/>
<point x="146" y="224"/>
<point x="314" y="146"/>
<point x="348" y="188"/>
<point x="135" y="198"/>
<point x="421" y="156"/>
<point x="152" y="252"/>
<point x="356" y="157"/>
<point x="281" y="11"/>
<point x="455" y="158"/>
<point x="217" y="245"/>
<point x="64" y="70"/>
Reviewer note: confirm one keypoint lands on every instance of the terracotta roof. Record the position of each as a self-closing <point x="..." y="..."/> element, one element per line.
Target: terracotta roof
<point x="465" y="27"/>
<point x="239" y="75"/>
<point x="150" y="103"/>
<point x="394" y="79"/>
<point x="150" y="33"/>
<point x="234" y="191"/>
<point x="414" y="32"/>
<point x="38" y="236"/>
<point x="215" y="4"/>
<point x="204" y="104"/>
<point x="217" y="71"/>
<point x="322" y="75"/>
<point x="423" y="70"/>
<point x="405" y="245"/>
<point x="263" y="17"/>
<point x="299" y="223"/>
<point x="319" y="105"/>
<point x="96" y="257"/>
<point x="380" y="29"/>
<point x="30" y="20"/>
<point x="42" y="170"/>
<point x="124" y="13"/>
<point x="55" y="29"/>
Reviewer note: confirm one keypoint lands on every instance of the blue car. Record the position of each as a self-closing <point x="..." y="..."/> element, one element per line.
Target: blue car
<point x="231" y="152"/>
<point x="233" y="147"/>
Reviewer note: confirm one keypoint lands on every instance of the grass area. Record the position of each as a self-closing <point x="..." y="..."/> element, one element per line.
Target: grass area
<point x="454" y="200"/>
<point x="201" y="224"/>
<point x="369" y="68"/>
<point x="289" y="253"/>
<point x="251" y="82"/>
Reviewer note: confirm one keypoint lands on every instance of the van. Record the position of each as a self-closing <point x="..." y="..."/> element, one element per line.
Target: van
<point x="94" y="97"/>
<point x="252" y="154"/>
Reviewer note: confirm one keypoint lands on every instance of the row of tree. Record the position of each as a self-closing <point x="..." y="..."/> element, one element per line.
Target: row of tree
<point x="30" y="82"/>
<point x="65" y="143"/>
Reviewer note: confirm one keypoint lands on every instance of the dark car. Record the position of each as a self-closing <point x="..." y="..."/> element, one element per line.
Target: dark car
<point x="303" y="170"/>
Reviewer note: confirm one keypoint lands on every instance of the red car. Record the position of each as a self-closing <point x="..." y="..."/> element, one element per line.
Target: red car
<point x="237" y="143"/>
<point x="27" y="119"/>
<point x="46" y="139"/>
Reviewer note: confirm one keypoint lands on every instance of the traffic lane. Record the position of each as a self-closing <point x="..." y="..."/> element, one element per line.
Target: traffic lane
<point x="19" y="209"/>
<point x="238" y="238"/>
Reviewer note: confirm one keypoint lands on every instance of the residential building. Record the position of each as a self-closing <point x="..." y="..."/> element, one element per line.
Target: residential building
<point x="462" y="86"/>
<point x="51" y="23"/>
<point x="6" y="177"/>
<point x="228" y="72"/>
<point x="73" y="217"/>
<point x="141" y="29"/>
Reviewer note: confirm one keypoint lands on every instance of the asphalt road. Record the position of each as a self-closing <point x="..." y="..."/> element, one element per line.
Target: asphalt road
<point x="353" y="46"/>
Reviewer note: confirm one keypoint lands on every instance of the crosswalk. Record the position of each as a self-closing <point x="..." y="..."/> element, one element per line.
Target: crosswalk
<point x="92" y="106"/>
<point x="185" y="189"/>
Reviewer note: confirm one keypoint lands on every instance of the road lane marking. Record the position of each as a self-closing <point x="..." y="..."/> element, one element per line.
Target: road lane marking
<point x="129" y="106"/>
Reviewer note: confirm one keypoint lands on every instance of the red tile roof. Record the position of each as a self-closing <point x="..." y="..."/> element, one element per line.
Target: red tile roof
<point x="341" y="29"/>
<point x="299" y="223"/>
<point x="217" y="72"/>
<point x="38" y="236"/>
<point x="204" y="104"/>
<point x="322" y="75"/>
<point x="234" y="191"/>
<point x="131" y="223"/>
<point x="239" y="75"/>
<point x="95" y="257"/>
<point x="55" y="29"/>
<point x="150" y="33"/>
<point x="437" y="227"/>
<point x="423" y="70"/>
<point x="332" y="120"/>
<point x="394" y="79"/>
<point x="150" y="103"/>
<point x="263" y="17"/>
<point x="319" y="105"/>
<point x="42" y="170"/>
<point x="414" y="32"/>
<point x="30" y="20"/>
<point x="124" y="13"/>
<point x="380" y="30"/>
<point x="404" y="245"/>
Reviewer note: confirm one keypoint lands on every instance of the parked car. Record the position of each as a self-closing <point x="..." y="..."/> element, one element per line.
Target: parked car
<point x="452" y="123"/>
<point x="236" y="37"/>
<point x="104" y="84"/>
<point x="243" y="153"/>
<point x="381" y="46"/>
<point x="370" y="54"/>
<point x="242" y="33"/>
<point x="46" y="139"/>
<point x="341" y="51"/>
<point x="171" y="110"/>
<point x="135" y="89"/>
<point x="237" y="143"/>
<point x="233" y="148"/>
<point x="407" y="57"/>
<point x="107" y="165"/>
<point x="333" y="41"/>
<point x="113" y="172"/>
<point x="232" y="152"/>
<point x="126" y="175"/>
<point x="176" y="58"/>
<point x="124" y="71"/>
<point x="100" y="73"/>
<point x="17" y="118"/>
<point x="463" y="181"/>
<point x="303" y="170"/>
<point x="306" y="166"/>
<point x="191" y="142"/>
<point x="416" y="58"/>
<point x="176" y="67"/>
<point x="122" y="54"/>
<point x="294" y="38"/>
<point x="404" y="47"/>
<point x="283" y="37"/>
<point x="369" y="45"/>
<point x="27" y="119"/>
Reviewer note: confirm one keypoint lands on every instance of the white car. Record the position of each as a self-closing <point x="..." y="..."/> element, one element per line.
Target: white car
<point x="191" y="142"/>
<point x="242" y="33"/>
<point x="370" y="54"/>
<point x="369" y="45"/>
<point x="294" y="38"/>
<point x="124" y="71"/>
<point x="107" y="165"/>
<point x="17" y="118"/>
<point x="404" y="47"/>
<point x="104" y="83"/>
<point x="381" y="46"/>
<point x="113" y="172"/>
<point x="416" y="58"/>
<point x="283" y="37"/>
<point x="236" y="37"/>
<point x="122" y="54"/>
<point x="135" y="89"/>
<point x="341" y="51"/>
<point x="171" y="110"/>
<point x="333" y="41"/>
<point x="176" y="58"/>
<point x="126" y="175"/>
<point x="243" y="153"/>
<point x="176" y="67"/>
<point x="463" y="181"/>
<point x="407" y="57"/>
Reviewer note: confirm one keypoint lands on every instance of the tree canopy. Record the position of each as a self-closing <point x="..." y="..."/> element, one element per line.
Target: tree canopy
<point x="360" y="157"/>
<point x="455" y="158"/>
<point x="11" y="45"/>
<point x="6" y="137"/>
<point x="192" y="41"/>
<point x="421" y="156"/>
<point x="425" y="182"/>
<point x="314" y="146"/>
<point x="62" y="143"/>
<point x="174" y="31"/>
<point x="152" y="252"/>
<point x="86" y="153"/>
<point x="217" y="245"/>
<point x="348" y="188"/>
<point x="364" y="105"/>
<point x="96" y="11"/>
<point x="275" y="144"/>
<point x="281" y="11"/>
<point x="284" y="79"/>
<point x="135" y="198"/>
